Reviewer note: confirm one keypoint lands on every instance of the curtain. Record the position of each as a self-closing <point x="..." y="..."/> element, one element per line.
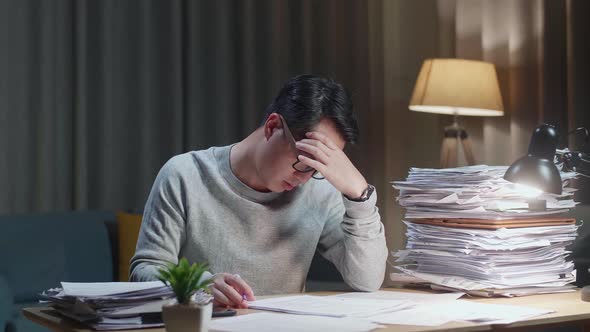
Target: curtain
<point x="97" y="95"/>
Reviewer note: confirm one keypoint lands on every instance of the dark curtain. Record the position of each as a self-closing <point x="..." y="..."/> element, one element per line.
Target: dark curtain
<point x="96" y="95"/>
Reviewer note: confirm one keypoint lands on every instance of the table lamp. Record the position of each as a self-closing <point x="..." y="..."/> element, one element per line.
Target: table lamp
<point x="457" y="87"/>
<point x="537" y="169"/>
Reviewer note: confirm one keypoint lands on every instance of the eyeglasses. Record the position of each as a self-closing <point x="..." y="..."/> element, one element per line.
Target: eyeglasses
<point x="298" y="165"/>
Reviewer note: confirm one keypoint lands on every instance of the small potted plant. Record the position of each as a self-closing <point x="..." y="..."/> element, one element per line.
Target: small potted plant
<point x="193" y="306"/>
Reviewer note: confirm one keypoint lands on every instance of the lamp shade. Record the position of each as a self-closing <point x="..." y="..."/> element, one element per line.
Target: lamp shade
<point x="537" y="168"/>
<point x="457" y="87"/>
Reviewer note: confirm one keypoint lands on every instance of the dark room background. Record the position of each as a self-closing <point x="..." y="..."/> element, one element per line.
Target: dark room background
<point x="96" y="95"/>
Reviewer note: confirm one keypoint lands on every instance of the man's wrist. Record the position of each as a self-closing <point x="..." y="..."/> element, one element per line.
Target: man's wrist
<point x="363" y="196"/>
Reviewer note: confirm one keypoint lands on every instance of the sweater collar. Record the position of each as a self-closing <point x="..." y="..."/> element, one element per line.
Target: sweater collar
<point x="223" y="161"/>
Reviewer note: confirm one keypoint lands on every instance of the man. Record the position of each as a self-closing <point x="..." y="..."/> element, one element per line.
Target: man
<point x="256" y="211"/>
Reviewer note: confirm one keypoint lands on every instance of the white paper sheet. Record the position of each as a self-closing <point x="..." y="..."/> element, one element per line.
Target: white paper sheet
<point x="272" y="322"/>
<point x="328" y="305"/>
<point x="438" y="313"/>
<point x="402" y="296"/>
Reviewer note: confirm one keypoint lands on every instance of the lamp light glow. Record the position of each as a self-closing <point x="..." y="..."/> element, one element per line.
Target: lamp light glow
<point x="527" y="191"/>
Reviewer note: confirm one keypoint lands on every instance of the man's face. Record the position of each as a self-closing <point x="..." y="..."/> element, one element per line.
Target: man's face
<point x="279" y="154"/>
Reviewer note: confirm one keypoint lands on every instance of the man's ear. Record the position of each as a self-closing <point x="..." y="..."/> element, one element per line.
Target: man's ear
<point x="272" y="123"/>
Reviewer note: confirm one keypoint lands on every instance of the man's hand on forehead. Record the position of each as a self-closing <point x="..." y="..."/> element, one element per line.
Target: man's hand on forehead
<point x="329" y="159"/>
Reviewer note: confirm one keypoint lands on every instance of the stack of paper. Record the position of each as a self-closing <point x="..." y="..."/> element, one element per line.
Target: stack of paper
<point x="111" y="305"/>
<point x="515" y="261"/>
<point x="477" y="192"/>
<point x="468" y="229"/>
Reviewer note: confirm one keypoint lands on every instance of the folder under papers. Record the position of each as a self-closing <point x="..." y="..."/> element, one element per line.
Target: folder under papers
<point x="496" y="224"/>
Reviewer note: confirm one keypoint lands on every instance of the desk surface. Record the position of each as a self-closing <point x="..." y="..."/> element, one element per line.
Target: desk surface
<point x="570" y="310"/>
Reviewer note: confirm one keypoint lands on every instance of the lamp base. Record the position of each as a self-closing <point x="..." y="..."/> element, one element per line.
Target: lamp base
<point x="448" y="151"/>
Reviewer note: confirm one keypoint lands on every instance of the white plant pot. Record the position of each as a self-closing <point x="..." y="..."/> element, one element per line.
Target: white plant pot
<point x="187" y="318"/>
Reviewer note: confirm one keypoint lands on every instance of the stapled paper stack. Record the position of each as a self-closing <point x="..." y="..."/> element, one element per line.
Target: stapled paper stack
<point x="468" y="229"/>
<point x="111" y="305"/>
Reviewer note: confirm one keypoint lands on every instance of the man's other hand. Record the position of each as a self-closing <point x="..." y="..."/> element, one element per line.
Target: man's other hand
<point x="229" y="290"/>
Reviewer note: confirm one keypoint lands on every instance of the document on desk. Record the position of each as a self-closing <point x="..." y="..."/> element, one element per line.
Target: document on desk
<point x="330" y="306"/>
<point x="271" y="322"/>
<point x="402" y="296"/>
<point x="439" y="313"/>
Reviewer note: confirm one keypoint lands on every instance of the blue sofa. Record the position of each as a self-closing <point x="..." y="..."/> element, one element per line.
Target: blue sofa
<point x="39" y="251"/>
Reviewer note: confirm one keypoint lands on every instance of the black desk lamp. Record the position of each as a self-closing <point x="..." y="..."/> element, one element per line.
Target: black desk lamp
<point x="537" y="169"/>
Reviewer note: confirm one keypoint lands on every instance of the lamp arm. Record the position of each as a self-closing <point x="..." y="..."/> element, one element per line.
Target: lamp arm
<point x="578" y="162"/>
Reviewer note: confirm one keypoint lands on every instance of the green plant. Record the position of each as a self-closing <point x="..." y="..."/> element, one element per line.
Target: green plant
<point x="184" y="279"/>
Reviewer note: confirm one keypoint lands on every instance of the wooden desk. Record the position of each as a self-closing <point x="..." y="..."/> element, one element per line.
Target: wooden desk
<point x="570" y="311"/>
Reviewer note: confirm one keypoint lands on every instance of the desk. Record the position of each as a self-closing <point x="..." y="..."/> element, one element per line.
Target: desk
<point x="570" y="311"/>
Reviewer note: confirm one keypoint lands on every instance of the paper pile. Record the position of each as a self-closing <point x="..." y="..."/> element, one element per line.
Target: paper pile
<point x="470" y="230"/>
<point x="111" y="305"/>
<point x="511" y="262"/>
<point x="477" y="192"/>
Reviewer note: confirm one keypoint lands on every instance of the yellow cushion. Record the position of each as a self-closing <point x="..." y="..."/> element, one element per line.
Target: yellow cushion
<point x="128" y="226"/>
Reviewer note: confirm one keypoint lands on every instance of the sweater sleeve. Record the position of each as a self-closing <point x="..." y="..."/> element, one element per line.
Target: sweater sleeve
<point x="162" y="230"/>
<point x="353" y="239"/>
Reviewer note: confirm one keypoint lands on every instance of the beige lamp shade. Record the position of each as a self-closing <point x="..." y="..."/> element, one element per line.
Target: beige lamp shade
<point x="457" y="87"/>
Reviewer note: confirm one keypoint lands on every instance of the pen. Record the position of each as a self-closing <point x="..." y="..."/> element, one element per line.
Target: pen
<point x="243" y="294"/>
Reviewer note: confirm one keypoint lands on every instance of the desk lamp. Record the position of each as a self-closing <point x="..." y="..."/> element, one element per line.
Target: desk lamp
<point x="457" y="87"/>
<point x="537" y="169"/>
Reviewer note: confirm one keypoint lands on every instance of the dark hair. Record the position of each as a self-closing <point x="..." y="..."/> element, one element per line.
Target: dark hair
<point x="305" y="99"/>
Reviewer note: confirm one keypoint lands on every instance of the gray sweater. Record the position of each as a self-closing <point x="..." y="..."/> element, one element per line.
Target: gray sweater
<point x="200" y="210"/>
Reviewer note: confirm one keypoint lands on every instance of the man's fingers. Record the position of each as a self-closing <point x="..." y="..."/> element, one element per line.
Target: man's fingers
<point x="318" y="144"/>
<point x="322" y="138"/>
<point x="241" y="286"/>
<point x="313" y="163"/>
<point x="233" y="296"/>
<point x="231" y="290"/>
<point x="313" y="150"/>
<point x="219" y="297"/>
